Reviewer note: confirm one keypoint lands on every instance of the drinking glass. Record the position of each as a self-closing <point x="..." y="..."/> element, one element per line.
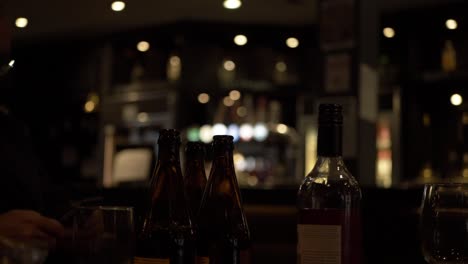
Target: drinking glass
<point x="444" y="223"/>
<point x="103" y="234"/>
<point x="22" y="252"/>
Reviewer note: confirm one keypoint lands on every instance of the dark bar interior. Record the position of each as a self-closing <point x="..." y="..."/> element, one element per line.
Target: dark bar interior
<point x="87" y="87"/>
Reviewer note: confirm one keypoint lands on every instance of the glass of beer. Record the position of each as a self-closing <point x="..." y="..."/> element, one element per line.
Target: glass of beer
<point x="103" y="234"/>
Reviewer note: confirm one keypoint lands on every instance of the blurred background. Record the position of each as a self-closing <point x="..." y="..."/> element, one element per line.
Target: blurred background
<point x="95" y="80"/>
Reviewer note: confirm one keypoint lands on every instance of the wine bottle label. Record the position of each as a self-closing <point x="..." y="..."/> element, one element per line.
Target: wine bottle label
<point x="319" y="244"/>
<point x="139" y="260"/>
<point x="203" y="260"/>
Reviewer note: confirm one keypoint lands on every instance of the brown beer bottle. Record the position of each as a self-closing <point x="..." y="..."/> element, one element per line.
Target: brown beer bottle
<point x="223" y="232"/>
<point x="195" y="177"/>
<point x="167" y="233"/>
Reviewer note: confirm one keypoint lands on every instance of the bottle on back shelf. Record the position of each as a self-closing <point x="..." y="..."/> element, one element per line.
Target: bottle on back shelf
<point x="449" y="57"/>
<point x="274" y="112"/>
<point x="167" y="234"/>
<point x="223" y="233"/>
<point x="329" y="226"/>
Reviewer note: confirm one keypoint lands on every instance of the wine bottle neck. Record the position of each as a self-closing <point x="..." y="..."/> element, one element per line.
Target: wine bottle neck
<point x="324" y="161"/>
<point x="329" y="140"/>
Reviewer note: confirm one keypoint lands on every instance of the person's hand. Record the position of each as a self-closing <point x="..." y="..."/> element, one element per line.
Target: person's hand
<point x="28" y="225"/>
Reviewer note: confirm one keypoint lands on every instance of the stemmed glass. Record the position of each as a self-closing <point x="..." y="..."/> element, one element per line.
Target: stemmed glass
<point x="103" y="234"/>
<point x="444" y="223"/>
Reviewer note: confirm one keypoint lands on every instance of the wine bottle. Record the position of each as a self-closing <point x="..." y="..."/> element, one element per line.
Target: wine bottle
<point x="223" y="233"/>
<point x="195" y="177"/>
<point x="329" y="228"/>
<point x="167" y="234"/>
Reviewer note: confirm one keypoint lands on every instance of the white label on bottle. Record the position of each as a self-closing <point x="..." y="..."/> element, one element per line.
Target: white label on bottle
<point x="319" y="244"/>
<point x="138" y="260"/>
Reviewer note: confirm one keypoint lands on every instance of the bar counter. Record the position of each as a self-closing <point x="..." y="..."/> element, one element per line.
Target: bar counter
<point x="389" y="217"/>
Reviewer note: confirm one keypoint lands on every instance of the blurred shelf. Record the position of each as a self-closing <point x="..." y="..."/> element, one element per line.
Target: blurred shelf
<point x="441" y="76"/>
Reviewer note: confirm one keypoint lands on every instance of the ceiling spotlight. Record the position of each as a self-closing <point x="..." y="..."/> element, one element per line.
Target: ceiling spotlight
<point x="292" y="43"/>
<point x="240" y="40"/>
<point x="456" y="99"/>
<point x="21" y="22"/>
<point x="451" y="24"/>
<point x="388" y="32"/>
<point x="89" y="106"/>
<point x="232" y="4"/>
<point x="143" y="46"/>
<point x="118" y="6"/>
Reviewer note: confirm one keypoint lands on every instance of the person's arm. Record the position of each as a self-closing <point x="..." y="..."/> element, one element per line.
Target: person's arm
<point x="26" y="225"/>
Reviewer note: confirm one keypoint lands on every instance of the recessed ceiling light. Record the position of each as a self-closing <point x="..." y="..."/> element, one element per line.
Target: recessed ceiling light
<point x="143" y="46"/>
<point x="456" y="99"/>
<point x="388" y="32"/>
<point x="232" y="4"/>
<point x="451" y="24"/>
<point x="118" y="6"/>
<point x="240" y="40"/>
<point x="21" y="22"/>
<point x="292" y="42"/>
<point x="89" y="106"/>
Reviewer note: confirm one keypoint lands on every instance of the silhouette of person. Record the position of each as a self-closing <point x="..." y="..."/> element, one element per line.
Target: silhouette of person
<point x="20" y="174"/>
